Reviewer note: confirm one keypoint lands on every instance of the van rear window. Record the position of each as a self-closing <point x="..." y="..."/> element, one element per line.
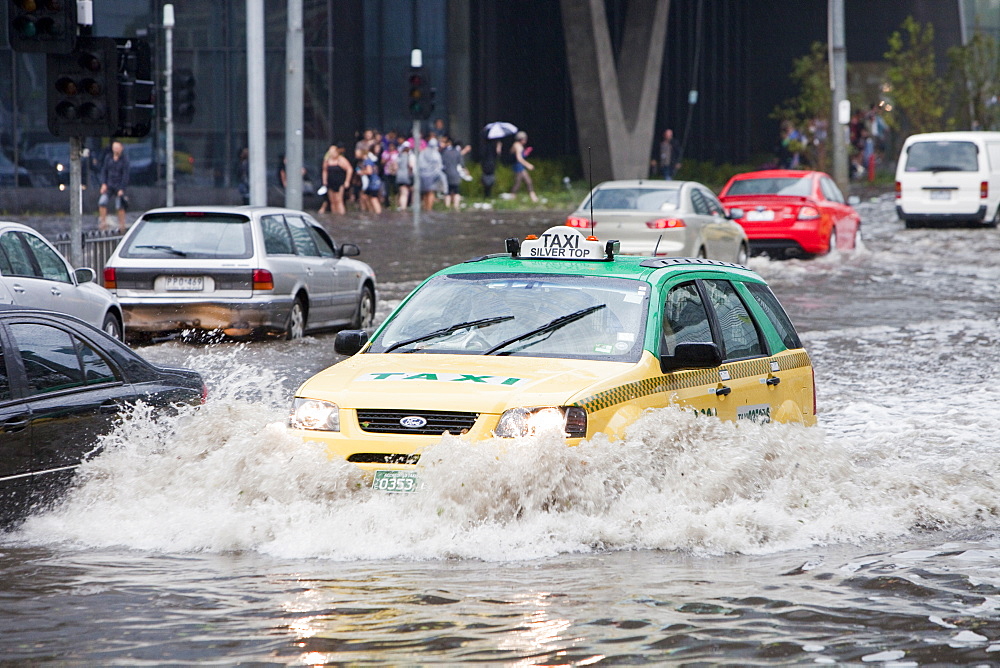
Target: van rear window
<point x="942" y="156"/>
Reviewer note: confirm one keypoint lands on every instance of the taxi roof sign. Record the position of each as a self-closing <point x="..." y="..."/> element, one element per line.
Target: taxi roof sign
<point x="562" y="243"/>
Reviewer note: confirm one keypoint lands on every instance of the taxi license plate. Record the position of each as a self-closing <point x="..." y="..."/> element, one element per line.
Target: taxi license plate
<point x="395" y="481"/>
<point x="754" y="215"/>
<point x="940" y="194"/>
<point x="185" y="283"/>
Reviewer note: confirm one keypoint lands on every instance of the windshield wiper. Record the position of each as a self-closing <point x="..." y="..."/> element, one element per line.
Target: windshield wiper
<point x="165" y="249"/>
<point x="547" y="328"/>
<point x="485" y="322"/>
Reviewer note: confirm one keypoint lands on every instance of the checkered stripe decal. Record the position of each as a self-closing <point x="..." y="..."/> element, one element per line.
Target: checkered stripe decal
<point x="685" y="379"/>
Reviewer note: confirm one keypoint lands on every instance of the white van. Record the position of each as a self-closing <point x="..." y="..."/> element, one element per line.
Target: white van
<point x="949" y="176"/>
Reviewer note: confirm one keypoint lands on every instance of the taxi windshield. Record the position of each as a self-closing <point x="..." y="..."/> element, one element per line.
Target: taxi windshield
<point x="530" y="315"/>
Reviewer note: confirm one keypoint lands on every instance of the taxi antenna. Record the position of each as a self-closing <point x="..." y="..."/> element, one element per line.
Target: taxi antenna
<point x="590" y="159"/>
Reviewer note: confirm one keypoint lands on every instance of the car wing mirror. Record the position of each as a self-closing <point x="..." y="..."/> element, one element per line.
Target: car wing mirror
<point x="734" y="214"/>
<point x="85" y="275"/>
<point x="691" y="355"/>
<point x="349" y="250"/>
<point x="350" y="341"/>
<point x="854" y="200"/>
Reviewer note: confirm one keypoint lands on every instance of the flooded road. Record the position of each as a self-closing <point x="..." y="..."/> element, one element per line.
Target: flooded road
<point x="872" y="538"/>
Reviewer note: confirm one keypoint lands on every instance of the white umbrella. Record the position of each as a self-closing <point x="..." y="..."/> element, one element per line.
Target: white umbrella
<point x="499" y="129"/>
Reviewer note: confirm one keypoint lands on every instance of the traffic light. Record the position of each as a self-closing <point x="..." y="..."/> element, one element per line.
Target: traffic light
<point x="136" y="90"/>
<point x="183" y="96"/>
<point x="82" y="89"/>
<point x="42" y="26"/>
<point x="421" y="99"/>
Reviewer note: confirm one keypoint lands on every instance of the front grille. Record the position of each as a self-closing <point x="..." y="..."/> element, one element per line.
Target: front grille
<point x="438" y="422"/>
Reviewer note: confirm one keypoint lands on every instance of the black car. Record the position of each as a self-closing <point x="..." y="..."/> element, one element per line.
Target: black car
<point x="63" y="385"/>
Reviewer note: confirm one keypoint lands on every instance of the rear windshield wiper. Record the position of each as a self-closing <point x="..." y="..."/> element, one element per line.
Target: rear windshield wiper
<point x="944" y="168"/>
<point x="547" y="328"/>
<point x="165" y="249"/>
<point x="484" y="322"/>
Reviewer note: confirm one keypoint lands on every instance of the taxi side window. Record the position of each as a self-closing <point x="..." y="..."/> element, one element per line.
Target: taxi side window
<point x="684" y="317"/>
<point x="276" y="238"/>
<point x="772" y="309"/>
<point x="739" y="332"/>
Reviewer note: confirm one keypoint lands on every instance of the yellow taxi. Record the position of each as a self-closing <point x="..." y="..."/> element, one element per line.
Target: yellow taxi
<point x="558" y="332"/>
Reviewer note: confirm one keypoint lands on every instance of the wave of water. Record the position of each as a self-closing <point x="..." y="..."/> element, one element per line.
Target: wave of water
<point x="888" y="460"/>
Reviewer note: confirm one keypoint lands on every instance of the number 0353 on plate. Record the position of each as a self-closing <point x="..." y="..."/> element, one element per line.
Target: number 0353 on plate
<point x="395" y="481"/>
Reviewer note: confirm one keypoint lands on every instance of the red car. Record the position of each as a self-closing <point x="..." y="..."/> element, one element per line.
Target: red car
<point x="790" y="212"/>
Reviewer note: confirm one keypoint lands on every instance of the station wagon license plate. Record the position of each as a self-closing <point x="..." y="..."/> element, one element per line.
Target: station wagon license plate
<point x="940" y="194"/>
<point x="755" y="215"/>
<point x="395" y="481"/>
<point x="188" y="283"/>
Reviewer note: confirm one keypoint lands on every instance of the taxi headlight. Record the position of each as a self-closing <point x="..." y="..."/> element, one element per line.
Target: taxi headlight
<point x="314" y="414"/>
<point x="571" y="420"/>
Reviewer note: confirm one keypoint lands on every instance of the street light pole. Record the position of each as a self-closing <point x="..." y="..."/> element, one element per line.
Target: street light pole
<point x="294" y="87"/>
<point x="256" y="116"/>
<point x="840" y="113"/>
<point x="168" y="97"/>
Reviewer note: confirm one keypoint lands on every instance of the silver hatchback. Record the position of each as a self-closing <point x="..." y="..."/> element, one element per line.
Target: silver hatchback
<point x="242" y="271"/>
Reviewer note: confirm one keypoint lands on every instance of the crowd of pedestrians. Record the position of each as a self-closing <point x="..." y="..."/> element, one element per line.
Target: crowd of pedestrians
<point x="380" y="173"/>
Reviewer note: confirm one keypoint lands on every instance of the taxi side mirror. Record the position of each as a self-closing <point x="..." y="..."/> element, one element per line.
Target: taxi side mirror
<point x="349" y="250"/>
<point x="350" y="341"/>
<point x="691" y="355"/>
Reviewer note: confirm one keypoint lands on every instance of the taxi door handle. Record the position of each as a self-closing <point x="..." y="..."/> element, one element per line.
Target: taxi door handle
<point x="773" y="380"/>
<point x="723" y="391"/>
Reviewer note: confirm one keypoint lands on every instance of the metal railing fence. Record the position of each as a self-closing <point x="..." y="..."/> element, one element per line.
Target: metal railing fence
<point x="97" y="248"/>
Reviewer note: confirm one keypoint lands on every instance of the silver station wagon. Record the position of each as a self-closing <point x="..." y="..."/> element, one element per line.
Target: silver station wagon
<point x="242" y="271"/>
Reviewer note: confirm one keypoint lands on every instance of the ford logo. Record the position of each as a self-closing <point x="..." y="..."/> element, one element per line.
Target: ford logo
<point x="413" y="422"/>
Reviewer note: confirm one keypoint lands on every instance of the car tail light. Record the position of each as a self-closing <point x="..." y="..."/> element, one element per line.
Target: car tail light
<point x="808" y="213"/>
<point x="109" y="278"/>
<point x="263" y="280"/>
<point x="204" y="392"/>
<point x="194" y="214"/>
<point x="899" y="190"/>
<point x="576" y="221"/>
<point x="664" y="223"/>
<point x="984" y="189"/>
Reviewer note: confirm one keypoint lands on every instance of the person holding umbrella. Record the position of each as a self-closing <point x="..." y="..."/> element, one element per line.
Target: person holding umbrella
<point x="493" y="133"/>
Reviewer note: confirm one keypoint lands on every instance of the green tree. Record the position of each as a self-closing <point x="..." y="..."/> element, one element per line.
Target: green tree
<point x="974" y="75"/>
<point x="809" y="111"/>
<point x="916" y="90"/>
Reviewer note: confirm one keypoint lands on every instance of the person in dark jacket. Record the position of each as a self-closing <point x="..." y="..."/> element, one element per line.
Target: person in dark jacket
<point x="114" y="180"/>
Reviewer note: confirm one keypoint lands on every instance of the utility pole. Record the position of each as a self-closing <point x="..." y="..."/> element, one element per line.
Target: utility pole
<point x="840" y="113"/>
<point x="416" y="62"/>
<point x="168" y="96"/>
<point x="293" y="106"/>
<point x="256" y="115"/>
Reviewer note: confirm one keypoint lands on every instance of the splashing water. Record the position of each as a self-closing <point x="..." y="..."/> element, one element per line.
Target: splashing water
<point x="226" y="476"/>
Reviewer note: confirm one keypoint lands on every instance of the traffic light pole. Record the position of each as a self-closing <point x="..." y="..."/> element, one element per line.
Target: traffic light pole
<point x="416" y="172"/>
<point x="75" y="202"/>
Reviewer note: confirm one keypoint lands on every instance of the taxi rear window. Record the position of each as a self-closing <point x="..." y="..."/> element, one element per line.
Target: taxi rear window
<point x="191" y="236"/>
